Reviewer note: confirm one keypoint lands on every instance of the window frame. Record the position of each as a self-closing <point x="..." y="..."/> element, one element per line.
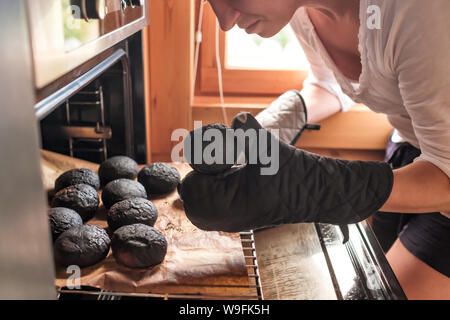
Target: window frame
<point x="238" y="81"/>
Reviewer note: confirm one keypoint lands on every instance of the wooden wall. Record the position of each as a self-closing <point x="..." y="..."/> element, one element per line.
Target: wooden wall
<point x="168" y="51"/>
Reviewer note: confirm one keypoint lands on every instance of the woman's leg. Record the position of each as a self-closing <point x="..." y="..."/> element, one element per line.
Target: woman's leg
<point x="418" y="280"/>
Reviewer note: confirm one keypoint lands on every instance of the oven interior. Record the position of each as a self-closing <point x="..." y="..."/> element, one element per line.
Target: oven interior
<point x="102" y="113"/>
<point x="90" y="125"/>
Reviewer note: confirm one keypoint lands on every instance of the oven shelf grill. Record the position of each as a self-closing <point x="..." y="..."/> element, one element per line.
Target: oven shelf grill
<point x="254" y="286"/>
<point x="94" y="143"/>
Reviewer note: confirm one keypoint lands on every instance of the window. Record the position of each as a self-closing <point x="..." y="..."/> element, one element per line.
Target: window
<point x="281" y="52"/>
<point x="251" y="65"/>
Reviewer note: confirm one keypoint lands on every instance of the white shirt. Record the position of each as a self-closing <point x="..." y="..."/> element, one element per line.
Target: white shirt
<point x="405" y="70"/>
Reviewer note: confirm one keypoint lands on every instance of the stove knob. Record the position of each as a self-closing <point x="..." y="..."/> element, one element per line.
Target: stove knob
<point x="95" y="9"/>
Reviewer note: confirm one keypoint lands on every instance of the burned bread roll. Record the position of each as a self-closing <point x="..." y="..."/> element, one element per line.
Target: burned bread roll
<point x="132" y="211"/>
<point x="82" y="246"/>
<point x="210" y="149"/>
<point x="138" y="246"/>
<point x="62" y="219"/>
<point x="80" y="197"/>
<point x="119" y="167"/>
<point x="159" y="178"/>
<point x="122" y="189"/>
<point x="77" y="176"/>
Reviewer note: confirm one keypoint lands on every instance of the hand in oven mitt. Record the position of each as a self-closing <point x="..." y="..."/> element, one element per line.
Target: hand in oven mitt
<point x="304" y="187"/>
<point x="287" y="115"/>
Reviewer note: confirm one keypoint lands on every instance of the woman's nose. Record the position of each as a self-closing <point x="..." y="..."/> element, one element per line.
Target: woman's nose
<point x="226" y="15"/>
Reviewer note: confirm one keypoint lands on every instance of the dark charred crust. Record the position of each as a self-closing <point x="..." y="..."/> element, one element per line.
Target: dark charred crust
<point x="132" y="211"/>
<point x="81" y="198"/>
<point x="159" y="178"/>
<point x="83" y="246"/>
<point x="119" y="167"/>
<point x="77" y="176"/>
<point x="138" y="246"/>
<point x="122" y="189"/>
<point x="62" y="219"/>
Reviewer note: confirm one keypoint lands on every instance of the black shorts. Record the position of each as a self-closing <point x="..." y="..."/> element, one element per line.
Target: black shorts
<point x="426" y="236"/>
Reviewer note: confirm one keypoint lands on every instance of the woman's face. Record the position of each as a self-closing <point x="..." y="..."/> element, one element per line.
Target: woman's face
<point x="263" y="17"/>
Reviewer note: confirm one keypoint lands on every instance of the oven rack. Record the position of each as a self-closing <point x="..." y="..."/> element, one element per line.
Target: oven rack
<point x="254" y="286"/>
<point x="71" y="92"/>
<point x="95" y="140"/>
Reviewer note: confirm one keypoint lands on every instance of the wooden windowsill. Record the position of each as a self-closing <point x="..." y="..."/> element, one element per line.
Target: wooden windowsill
<point x="358" y="129"/>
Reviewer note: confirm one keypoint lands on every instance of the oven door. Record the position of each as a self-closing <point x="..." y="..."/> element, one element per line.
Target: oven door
<point x="68" y="33"/>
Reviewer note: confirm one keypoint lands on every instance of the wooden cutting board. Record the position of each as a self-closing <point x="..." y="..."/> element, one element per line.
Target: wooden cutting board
<point x="197" y="262"/>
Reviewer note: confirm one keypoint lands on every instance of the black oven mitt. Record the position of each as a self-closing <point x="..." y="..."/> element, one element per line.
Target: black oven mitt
<point x="306" y="188"/>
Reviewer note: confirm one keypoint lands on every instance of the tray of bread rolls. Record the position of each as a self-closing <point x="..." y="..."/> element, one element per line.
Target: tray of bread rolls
<point x="193" y="261"/>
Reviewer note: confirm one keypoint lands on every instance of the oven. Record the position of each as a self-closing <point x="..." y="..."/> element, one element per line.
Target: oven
<point x="95" y="117"/>
<point x="71" y="83"/>
<point x="89" y="96"/>
<point x="67" y="33"/>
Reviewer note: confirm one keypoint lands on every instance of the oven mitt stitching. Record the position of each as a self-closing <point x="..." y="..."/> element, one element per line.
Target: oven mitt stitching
<point x="293" y="192"/>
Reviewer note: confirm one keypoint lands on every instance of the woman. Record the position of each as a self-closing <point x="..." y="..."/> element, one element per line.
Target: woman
<point x="393" y="56"/>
